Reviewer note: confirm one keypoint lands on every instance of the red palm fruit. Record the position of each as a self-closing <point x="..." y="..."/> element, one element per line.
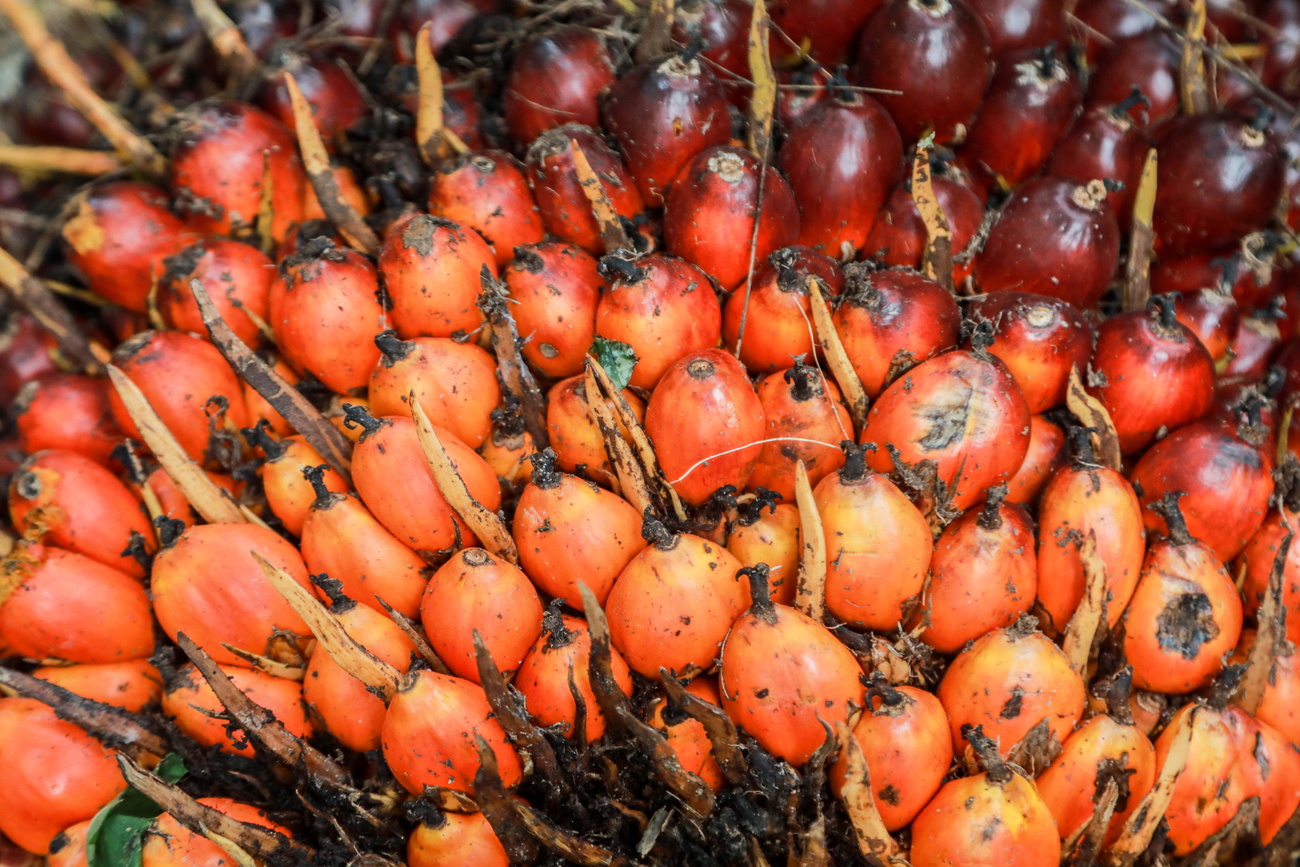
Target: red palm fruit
<point x="878" y="546"/>
<point x="1268" y="763"/>
<point x="344" y="706"/>
<point x="905" y="741"/>
<point x="236" y="276"/>
<point x="473" y="592"/>
<point x="556" y="77"/>
<point x="1260" y="554"/>
<point x="57" y="774"/>
<point x="1185" y="615"/>
<point x="131" y="685"/>
<point x="1213" y="316"/>
<point x="455" y="838"/>
<point x="662" y="113"/>
<point x="769" y="534"/>
<point x="566" y="211"/>
<point x="993" y="817"/>
<point x="58" y="605"/>
<point x="1040" y="339"/>
<point x="1008" y="681"/>
<point x="74" y="503"/>
<point x="487" y="191"/>
<point x="983" y="574"/>
<point x="569" y="530"/>
<point x="1223" y="471"/>
<point x="288" y="492"/>
<point x="707" y="422"/>
<point x="842" y="158"/>
<point x="70" y="412"/>
<point x="561" y="655"/>
<point x="168" y="843"/>
<point x="710" y="215"/>
<point x="1020" y="24"/>
<point x="118" y="236"/>
<point x="554" y="289"/>
<point x="430" y="732"/>
<point x="1146" y="61"/>
<point x="804" y="87"/>
<point x="661" y="306"/>
<point x="1279" y="704"/>
<point x="674" y="602"/>
<point x="1151" y="373"/>
<point x="190" y="703"/>
<point x="823" y="29"/>
<point x="259" y="409"/>
<point x="340" y="538"/>
<point x="889" y="321"/>
<point x="394" y="480"/>
<point x="224" y="151"/>
<point x="1254" y="348"/>
<point x="1054" y="237"/>
<point x="898" y="236"/>
<point x="455" y="383"/>
<point x="1105" y="142"/>
<point x="722" y="28"/>
<point x="799" y="404"/>
<point x="27" y="353"/>
<point x="778" y="310"/>
<point x="687" y="736"/>
<point x="935" y="55"/>
<point x="1031" y="101"/>
<point x="1106" y="748"/>
<point x="336" y="101"/>
<point x="1045" y="456"/>
<point x="961" y="410"/>
<point x="68" y="848"/>
<point x="1240" y="169"/>
<point x="432" y="269"/>
<point x="1282" y="36"/>
<point x="325" y="310"/>
<point x="1086" y="499"/>
<point x="784" y="677"/>
<point x="181" y="375"/>
<point x="208" y="585"/>
<point x="445" y="17"/>
<point x="1245" y="270"/>
<point x="1208" y="792"/>
<point x="577" y="441"/>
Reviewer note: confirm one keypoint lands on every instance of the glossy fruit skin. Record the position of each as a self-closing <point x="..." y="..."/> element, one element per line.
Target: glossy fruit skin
<point x="662" y="113"/>
<point x="799" y="403"/>
<point x="208" y="586"/>
<point x="543" y="678"/>
<point x="336" y="102"/>
<point x="673" y="604"/>
<point x="1239" y="168"/>
<point x="907" y="748"/>
<point x="842" y="158"/>
<point x="824" y="27"/>
<point x="118" y="238"/>
<point x="1046" y="455"/>
<point x="28" y="353"/>
<point x="891" y="320"/>
<point x="1104" y="143"/>
<point x="429" y="734"/>
<point x="461" y="838"/>
<point x="1267" y="762"/>
<point x="1213" y="316"/>
<point x="431" y="268"/>
<point x="236" y="276"/>
<point x="170" y="844"/>
<point x="1278" y="707"/>
<point x="1149" y="62"/>
<point x="67" y="411"/>
<point x="455" y="384"/>
<point x="577" y="441"/>
<point x="289" y="495"/>
<point x="58" y="774"/>
<point x="687" y="736"/>
<point x="709" y="217"/>
<point x="132" y="685"/>
<point x="554" y="290"/>
<point x="556" y="77"/>
<point x="1183" y="619"/>
<point x="68" y="848"/>
<point x="1257" y="561"/>
<point x="773" y="539"/>
<point x="487" y="191"/>
<point x="1055" y="238"/>
<point x="973" y="821"/>
<point x="1020" y="24"/>
<point x="722" y="27"/>
<point x="190" y="703"/>
<point x="1204" y="798"/>
<point x="937" y="53"/>
<point x="898" y="237"/>
<point x="706" y="421"/>
<point x="962" y="411"/>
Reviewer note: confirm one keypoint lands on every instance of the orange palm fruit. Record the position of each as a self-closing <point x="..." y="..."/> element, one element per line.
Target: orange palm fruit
<point x="170" y="844"/>
<point x="190" y="702"/>
<point x="131" y="685"/>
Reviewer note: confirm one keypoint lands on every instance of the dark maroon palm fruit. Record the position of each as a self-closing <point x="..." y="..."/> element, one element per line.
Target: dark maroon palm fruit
<point x="1247" y="270"/>
<point x="1223" y="471"/>
<point x="1231" y="19"/>
<point x="28" y="353"/>
<point x="358" y="18"/>
<point x="1039" y="339"/>
<point x="898" y="234"/>
<point x="842" y="157"/>
<point x="779" y="314"/>
<point x="461" y="112"/>
<point x="1105" y="22"/>
<point x="1236" y="401"/>
<point x="1105" y="142"/>
<point x="890" y="321"/>
<point x="488" y="192"/>
<point x="1219" y="178"/>
<point x="1256" y="345"/>
<point x="1150" y="373"/>
<point x="1028" y="107"/>
<point x="1018" y="24"/>
<point x="1148" y="62"/>
<point x="447" y="17"/>
<point x="335" y="100"/>
<point x="556" y="78"/>
<point x="1281" y="70"/>
<point x="1212" y="315"/>
<point x="1054" y="237"/>
<point x="936" y="54"/>
<point x="662" y="113"/>
<point x="263" y="23"/>
<point x="798" y="90"/>
<point x="710" y="216"/>
<point x="823" y="29"/>
<point x="566" y="210"/>
<point x="43" y="114"/>
<point x="1288" y="360"/>
<point x="722" y="28"/>
<point x="236" y="276"/>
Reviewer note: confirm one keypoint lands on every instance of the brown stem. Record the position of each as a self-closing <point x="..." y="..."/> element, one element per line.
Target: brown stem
<point x="51" y="314"/>
<point x="513" y="719"/>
